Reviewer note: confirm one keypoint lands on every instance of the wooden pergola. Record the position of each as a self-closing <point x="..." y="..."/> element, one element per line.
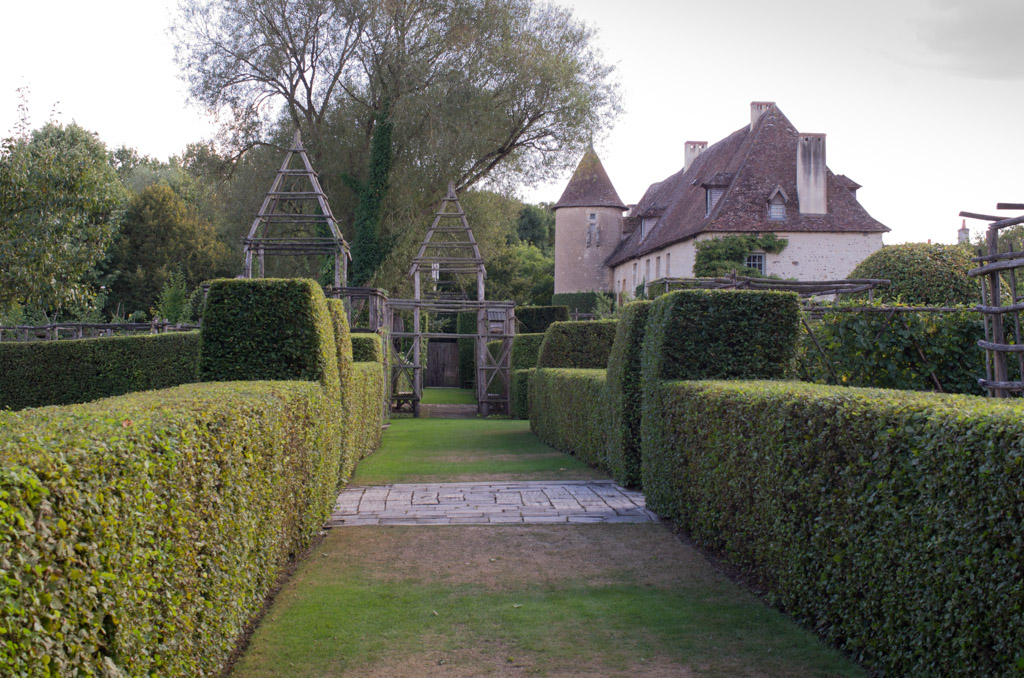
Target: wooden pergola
<point x="449" y="255"/>
<point x="295" y="204"/>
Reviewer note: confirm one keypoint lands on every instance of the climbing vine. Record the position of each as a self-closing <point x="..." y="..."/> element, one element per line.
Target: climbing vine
<point x="721" y="256"/>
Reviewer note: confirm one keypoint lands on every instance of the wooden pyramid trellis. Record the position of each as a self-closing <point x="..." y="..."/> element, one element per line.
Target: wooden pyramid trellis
<point x="296" y="206"/>
<point x="449" y="251"/>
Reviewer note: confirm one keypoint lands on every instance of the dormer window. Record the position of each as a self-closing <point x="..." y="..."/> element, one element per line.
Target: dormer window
<point x="713" y="196"/>
<point x="714" y="190"/>
<point x="777" y="204"/>
<point x="646" y="224"/>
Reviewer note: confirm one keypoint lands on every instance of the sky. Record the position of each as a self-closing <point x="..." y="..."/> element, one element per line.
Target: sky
<point x="921" y="100"/>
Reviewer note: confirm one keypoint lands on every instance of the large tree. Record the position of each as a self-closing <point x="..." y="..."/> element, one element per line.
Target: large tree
<point x="398" y="97"/>
<point x="59" y="204"/>
<point x="161" y="237"/>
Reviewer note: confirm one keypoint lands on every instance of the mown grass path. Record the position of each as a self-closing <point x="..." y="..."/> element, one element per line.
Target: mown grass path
<point x="560" y="600"/>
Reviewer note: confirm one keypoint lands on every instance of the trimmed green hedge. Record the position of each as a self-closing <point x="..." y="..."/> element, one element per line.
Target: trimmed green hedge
<point x="267" y="329"/>
<point x="722" y="334"/>
<point x="525" y="350"/>
<point x="466" y="324"/>
<point x="521" y="394"/>
<point x="367" y="412"/>
<point x="537" y="319"/>
<point x="38" y="373"/>
<point x="583" y="302"/>
<point x="367" y="348"/>
<point x="583" y="344"/>
<point x="625" y="394"/>
<point x="567" y="411"/>
<point x="920" y="273"/>
<point x="889" y="521"/>
<point x="142" y="533"/>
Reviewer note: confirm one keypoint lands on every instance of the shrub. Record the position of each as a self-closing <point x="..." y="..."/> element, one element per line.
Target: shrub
<point x="577" y="344"/>
<point x="922" y="274"/>
<point x="906" y="351"/>
<point x="466" y="324"/>
<point x="537" y="319"/>
<point x="268" y="329"/>
<point x="625" y="394"/>
<point x="367" y="348"/>
<point x="38" y="373"/>
<point x="584" y="302"/>
<point x="520" y="406"/>
<point x="141" y="534"/>
<point x="567" y="411"/>
<point x="721" y="334"/>
<point x="889" y="521"/>
<point x="525" y="349"/>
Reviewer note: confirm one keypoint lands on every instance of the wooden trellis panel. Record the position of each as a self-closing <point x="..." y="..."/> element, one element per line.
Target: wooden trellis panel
<point x="1001" y="305"/>
<point x="295" y="202"/>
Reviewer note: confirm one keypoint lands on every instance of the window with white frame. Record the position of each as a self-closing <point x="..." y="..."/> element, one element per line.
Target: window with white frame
<point x="756" y="261"/>
<point x="634" y="274"/>
<point x="777" y="208"/>
<point x="647" y="271"/>
<point x="668" y="264"/>
<point x="657" y="268"/>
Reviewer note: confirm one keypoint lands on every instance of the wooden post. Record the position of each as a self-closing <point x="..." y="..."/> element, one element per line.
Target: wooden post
<point x="998" y="335"/>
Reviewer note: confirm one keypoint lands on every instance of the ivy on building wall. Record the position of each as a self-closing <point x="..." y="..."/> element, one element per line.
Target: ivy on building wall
<point x="721" y="256"/>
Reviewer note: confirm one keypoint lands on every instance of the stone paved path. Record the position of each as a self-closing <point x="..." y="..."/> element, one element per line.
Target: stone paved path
<point x="581" y="501"/>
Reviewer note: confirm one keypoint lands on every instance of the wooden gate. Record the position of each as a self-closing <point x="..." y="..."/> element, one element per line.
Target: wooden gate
<point x="442" y="363"/>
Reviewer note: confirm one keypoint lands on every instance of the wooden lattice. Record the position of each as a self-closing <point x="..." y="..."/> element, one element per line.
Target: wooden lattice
<point x="293" y="219"/>
<point x="1001" y="305"/>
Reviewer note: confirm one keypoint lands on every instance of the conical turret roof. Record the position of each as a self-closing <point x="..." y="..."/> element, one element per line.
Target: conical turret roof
<point x="590" y="186"/>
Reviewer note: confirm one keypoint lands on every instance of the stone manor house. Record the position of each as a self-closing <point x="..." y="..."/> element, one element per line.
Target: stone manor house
<point x="764" y="178"/>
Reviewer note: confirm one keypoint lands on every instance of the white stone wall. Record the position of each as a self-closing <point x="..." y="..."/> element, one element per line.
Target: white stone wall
<point x="808" y="256"/>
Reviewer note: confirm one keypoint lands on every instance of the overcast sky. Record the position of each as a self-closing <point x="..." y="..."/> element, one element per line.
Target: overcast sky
<point x="921" y="99"/>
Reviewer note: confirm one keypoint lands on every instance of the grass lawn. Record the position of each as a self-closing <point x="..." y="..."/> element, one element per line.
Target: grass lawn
<point x="448" y="396"/>
<point x="454" y="450"/>
<point x="587" y="600"/>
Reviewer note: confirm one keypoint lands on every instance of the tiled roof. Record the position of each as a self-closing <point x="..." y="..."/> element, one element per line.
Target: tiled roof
<point x="750" y="164"/>
<point x="590" y="186"/>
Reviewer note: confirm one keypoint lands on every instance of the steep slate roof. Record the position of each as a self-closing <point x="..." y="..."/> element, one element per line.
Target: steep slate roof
<point x="750" y="164"/>
<point x="590" y="186"/>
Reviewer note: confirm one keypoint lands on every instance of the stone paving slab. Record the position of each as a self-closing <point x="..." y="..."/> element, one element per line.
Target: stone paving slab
<point x="516" y="502"/>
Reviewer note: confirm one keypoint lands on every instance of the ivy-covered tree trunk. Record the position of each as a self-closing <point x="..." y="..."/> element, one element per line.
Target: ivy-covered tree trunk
<point x="369" y="249"/>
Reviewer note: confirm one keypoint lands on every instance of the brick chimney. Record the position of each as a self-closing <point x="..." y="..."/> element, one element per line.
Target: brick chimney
<point x="757" y="109"/>
<point x="811" y="192"/>
<point x="693" y="149"/>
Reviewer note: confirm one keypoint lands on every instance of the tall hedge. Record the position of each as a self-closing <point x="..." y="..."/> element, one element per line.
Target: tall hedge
<point x="537" y="319"/>
<point x="139" y="535"/>
<point x="625" y="394"/>
<point x="466" y="324"/>
<point x="567" y="411"/>
<point x="583" y="344"/>
<point x="722" y="334"/>
<point x="889" y="521"/>
<point x="39" y="373"/>
<point x="268" y="329"/>
<point x="583" y="302"/>
<point x="367" y="348"/>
